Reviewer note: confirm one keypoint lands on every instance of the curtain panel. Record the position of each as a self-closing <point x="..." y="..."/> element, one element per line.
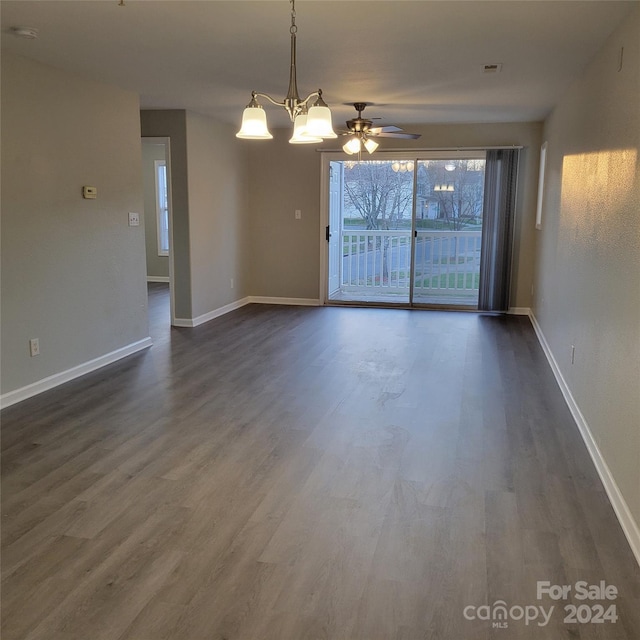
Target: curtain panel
<point x="501" y="174"/>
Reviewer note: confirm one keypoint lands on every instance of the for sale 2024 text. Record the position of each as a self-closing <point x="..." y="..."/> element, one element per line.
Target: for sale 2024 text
<point x="594" y="606"/>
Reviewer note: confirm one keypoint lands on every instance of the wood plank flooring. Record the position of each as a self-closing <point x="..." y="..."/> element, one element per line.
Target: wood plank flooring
<point x="302" y="474"/>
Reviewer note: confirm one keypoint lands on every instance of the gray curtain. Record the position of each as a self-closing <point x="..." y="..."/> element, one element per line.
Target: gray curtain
<point x="501" y="173"/>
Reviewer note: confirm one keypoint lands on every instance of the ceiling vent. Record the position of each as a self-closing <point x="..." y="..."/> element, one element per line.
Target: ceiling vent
<point x="492" y="68"/>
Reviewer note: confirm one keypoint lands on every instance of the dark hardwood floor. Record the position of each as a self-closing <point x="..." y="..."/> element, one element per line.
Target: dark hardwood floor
<point x="295" y="473"/>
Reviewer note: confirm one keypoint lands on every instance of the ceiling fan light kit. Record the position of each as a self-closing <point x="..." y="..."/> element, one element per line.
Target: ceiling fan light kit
<point x="361" y="131"/>
<point x="370" y="145"/>
<point x="352" y="146"/>
<point x="311" y="124"/>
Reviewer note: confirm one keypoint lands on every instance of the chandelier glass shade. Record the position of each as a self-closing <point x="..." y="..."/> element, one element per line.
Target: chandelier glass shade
<point x="311" y="120"/>
<point x="301" y="131"/>
<point x="254" y="122"/>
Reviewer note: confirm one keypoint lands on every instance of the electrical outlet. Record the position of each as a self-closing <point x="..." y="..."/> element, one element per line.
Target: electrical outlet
<point x="134" y="219"/>
<point x="34" y="347"/>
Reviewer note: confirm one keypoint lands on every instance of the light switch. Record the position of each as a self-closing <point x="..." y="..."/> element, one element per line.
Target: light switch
<point x="134" y="219"/>
<point x="298" y="214"/>
<point x="89" y="193"/>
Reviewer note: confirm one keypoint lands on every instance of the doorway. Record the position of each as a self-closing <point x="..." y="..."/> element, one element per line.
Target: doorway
<point x="405" y="230"/>
<point x="156" y="166"/>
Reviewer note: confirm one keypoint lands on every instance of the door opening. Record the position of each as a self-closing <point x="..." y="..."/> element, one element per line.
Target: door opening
<point x="156" y="166"/>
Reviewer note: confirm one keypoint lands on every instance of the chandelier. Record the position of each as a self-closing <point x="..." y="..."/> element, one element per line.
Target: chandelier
<point x="311" y="124"/>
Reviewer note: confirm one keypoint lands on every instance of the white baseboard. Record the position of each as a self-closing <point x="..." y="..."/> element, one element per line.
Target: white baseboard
<point x="158" y="279"/>
<point x="183" y="322"/>
<point x="519" y="311"/>
<point x="216" y="313"/>
<point x="302" y="302"/>
<point x="13" y="397"/>
<point x="619" y="504"/>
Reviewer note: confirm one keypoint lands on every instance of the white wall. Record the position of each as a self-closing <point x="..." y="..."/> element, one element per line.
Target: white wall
<point x="73" y="271"/>
<point x="587" y="289"/>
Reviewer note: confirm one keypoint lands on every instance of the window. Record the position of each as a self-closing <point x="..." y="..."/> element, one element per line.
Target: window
<point x="162" y="207"/>
<point x="543" y="164"/>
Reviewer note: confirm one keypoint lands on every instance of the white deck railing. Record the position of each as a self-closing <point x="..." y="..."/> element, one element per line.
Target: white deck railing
<point x="380" y="260"/>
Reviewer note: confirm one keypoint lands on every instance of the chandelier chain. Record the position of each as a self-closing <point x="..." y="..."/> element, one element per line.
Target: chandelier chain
<point x="294" y="27"/>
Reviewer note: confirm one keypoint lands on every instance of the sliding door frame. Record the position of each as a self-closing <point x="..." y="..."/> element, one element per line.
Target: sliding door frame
<point x="400" y="154"/>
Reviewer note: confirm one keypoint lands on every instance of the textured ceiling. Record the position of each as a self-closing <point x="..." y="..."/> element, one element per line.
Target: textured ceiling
<point x="417" y="61"/>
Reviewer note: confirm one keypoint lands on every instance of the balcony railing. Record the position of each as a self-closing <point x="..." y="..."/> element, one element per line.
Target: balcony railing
<point x="446" y="262"/>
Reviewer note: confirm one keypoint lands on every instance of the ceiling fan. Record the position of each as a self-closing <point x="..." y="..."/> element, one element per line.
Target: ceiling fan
<point x="362" y="130"/>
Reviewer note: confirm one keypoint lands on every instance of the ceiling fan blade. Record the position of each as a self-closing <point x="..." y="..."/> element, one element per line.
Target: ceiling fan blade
<point x="404" y="136"/>
<point x="388" y="129"/>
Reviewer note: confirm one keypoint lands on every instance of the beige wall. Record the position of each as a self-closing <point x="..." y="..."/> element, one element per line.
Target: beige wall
<point x="210" y="222"/>
<point x="284" y="252"/>
<point x="73" y="271"/>
<point x="588" y="262"/>
<point x="157" y="266"/>
<point x="217" y="214"/>
<point x="283" y="177"/>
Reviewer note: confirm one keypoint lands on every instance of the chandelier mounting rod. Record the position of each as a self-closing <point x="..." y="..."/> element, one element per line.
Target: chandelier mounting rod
<point x="292" y="103"/>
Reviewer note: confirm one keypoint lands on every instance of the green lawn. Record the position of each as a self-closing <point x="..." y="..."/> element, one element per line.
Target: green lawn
<point x="451" y="281"/>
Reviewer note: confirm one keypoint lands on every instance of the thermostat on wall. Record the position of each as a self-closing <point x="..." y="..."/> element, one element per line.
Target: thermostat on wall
<point x="90" y="193"/>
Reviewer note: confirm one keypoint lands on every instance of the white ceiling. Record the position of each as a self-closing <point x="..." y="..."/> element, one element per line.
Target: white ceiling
<point x="418" y="61"/>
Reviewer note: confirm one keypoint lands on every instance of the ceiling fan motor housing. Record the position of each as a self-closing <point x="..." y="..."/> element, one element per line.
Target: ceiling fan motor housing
<point x="359" y="125"/>
<point x="362" y="128"/>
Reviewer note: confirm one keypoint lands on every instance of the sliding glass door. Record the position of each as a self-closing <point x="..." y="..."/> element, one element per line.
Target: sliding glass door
<point x="372" y="217"/>
<point x="405" y="230"/>
<point x="448" y="231"/>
